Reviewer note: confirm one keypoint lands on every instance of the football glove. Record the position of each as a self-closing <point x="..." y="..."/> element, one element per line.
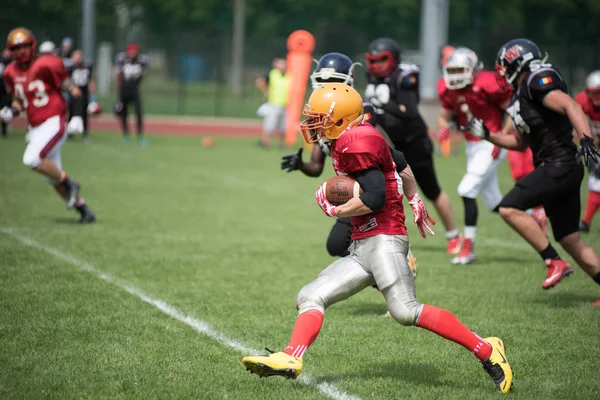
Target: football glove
<point x="477" y="128"/>
<point x="376" y="103"/>
<point x="589" y="152"/>
<point x="292" y="162"/>
<point x="326" y="206"/>
<point x="75" y="125"/>
<point x="8" y="113"/>
<point x="422" y="217"/>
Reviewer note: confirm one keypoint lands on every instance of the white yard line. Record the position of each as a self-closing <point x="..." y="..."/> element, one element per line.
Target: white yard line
<point x="198" y="325"/>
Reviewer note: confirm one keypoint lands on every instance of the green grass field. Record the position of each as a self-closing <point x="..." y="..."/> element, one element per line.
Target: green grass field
<point x="196" y="259"/>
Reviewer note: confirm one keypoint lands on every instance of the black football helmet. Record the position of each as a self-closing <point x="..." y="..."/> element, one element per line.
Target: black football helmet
<point x="332" y="68"/>
<point x="515" y="57"/>
<point x="383" y="57"/>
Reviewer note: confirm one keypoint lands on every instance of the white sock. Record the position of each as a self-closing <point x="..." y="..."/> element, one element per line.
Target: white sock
<point x="470" y="232"/>
<point x="452" y="234"/>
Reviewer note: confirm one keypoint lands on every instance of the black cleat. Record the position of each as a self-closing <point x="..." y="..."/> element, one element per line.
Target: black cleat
<point x="73" y="187"/>
<point x="583" y="227"/>
<point x="87" y="217"/>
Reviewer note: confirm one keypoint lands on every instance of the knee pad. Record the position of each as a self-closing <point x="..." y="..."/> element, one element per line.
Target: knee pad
<point x="305" y="301"/>
<point x="31" y="159"/>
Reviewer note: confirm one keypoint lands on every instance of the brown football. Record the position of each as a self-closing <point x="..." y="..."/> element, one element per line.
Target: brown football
<point x="341" y="188"/>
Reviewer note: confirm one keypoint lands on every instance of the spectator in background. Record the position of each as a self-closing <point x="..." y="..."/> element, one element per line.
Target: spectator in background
<point x="47" y="47"/>
<point x="80" y="73"/>
<point x="5" y="97"/>
<point x="66" y="51"/>
<point x="131" y="66"/>
<point x="274" y="87"/>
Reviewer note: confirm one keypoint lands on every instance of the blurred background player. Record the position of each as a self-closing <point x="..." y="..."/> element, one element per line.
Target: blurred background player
<point x="393" y="89"/>
<point x="336" y="68"/>
<point x="544" y="116"/>
<point x="589" y="100"/>
<point x="450" y="146"/>
<point x="66" y="51"/>
<point x="379" y="242"/>
<point x="131" y="66"/>
<point x="469" y="92"/>
<point x="5" y="96"/>
<point x="80" y="72"/>
<point x="46" y="48"/>
<point x="274" y="87"/>
<point x="37" y="85"/>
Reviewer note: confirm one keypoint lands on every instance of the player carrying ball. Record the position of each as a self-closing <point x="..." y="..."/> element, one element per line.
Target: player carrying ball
<point x="37" y="84"/>
<point x="379" y="242"/>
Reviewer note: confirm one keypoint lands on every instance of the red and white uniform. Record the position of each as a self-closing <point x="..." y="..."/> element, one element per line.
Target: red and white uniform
<point x="357" y="150"/>
<point x="38" y="88"/>
<point x="482" y="99"/>
<point x="593" y="113"/>
<point x="520" y="163"/>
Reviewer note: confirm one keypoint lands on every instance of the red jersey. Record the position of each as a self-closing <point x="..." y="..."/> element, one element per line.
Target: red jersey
<point x="38" y="87"/>
<point x="592" y="111"/>
<point x="482" y="98"/>
<point x="362" y="148"/>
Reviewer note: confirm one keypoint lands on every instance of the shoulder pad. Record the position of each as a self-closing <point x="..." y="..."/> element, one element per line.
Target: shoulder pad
<point x="143" y="59"/>
<point x="542" y="81"/>
<point x="120" y="59"/>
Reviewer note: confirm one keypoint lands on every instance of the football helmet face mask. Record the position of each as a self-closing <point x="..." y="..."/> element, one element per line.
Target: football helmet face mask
<point x="21" y="44"/>
<point x="513" y="58"/>
<point x="592" y="87"/>
<point x="332" y="109"/>
<point x="461" y="68"/>
<point x="332" y="68"/>
<point x="383" y="57"/>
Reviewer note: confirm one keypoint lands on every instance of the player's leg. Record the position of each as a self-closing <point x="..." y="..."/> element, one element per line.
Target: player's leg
<point x="542" y="186"/>
<point x="63" y="189"/>
<point x="419" y="156"/>
<point x="592" y="204"/>
<point x="124" y="102"/>
<point x="137" y="104"/>
<point x="282" y="126"/>
<point x="387" y="262"/>
<point x="269" y="125"/>
<point x="45" y="139"/>
<point x="4" y="101"/>
<point x="339" y="238"/>
<point x="342" y="279"/>
<point x="84" y="115"/>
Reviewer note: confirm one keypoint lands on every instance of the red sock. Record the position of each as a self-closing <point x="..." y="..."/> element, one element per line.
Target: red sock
<point x="446" y="325"/>
<point x="593" y="203"/>
<point x="306" y="330"/>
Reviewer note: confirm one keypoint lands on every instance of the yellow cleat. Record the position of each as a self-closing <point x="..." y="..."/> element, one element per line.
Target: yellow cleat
<point x="274" y="364"/>
<point x="497" y="365"/>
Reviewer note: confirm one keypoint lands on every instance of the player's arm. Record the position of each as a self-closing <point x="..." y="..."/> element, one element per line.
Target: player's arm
<point x="68" y="86"/>
<point x="510" y="142"/>
<point x="372" y="181"/>
<point x="16" y="106"/>
<point x="263" y="85"/>
<point x="314" y="167"/>
<point x="560" y="102"/>
<point x="443" y="123"/>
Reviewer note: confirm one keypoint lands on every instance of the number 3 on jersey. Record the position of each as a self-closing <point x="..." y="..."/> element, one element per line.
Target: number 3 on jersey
<point x="37" y="86"/>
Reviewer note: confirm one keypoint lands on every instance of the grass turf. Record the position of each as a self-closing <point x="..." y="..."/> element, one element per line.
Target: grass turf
<point x="224" y="236"/>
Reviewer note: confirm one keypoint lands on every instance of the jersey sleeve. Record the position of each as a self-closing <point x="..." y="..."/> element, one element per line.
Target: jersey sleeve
<point x="119" y="62"/>
<point x="542" y="82"/>
<point x="8" y="80"/>
<point x="144" y="60"/>
<point x="53" y="72"/>
<point x="444" y="95"/>
<point x="362" y="153"/>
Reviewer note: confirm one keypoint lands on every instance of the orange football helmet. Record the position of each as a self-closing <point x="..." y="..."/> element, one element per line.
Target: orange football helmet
<point x="332" y="109"/>
<point x="21" y="44"/>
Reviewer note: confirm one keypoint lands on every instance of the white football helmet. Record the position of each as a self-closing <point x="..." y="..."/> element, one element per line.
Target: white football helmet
<point x="461" y="68"/>
<point x="592" y="87"/>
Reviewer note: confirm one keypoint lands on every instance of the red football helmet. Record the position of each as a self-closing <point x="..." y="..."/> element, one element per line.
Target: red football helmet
<point x="21" y="44"/>
<point x="94" y="108"/>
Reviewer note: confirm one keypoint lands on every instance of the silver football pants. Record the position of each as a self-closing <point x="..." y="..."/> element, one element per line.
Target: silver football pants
<point x="377" y="260"/>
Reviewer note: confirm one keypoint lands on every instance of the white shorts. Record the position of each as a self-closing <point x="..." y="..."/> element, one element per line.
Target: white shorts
<point x="481" y="177"/>
<point x="45" y="141"/>
<point x="274" y="118"/>
<point x="594" y="184"/>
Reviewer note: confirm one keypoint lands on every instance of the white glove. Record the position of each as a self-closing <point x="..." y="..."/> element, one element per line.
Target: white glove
<point x="376" y="103"/>
<point x="477" y="128"/>
<point x="75" y="126"/>
<point x="6" y="114"/>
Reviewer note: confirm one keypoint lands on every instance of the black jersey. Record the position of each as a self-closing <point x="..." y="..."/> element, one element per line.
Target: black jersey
<point x="396" y="101"/>
<point x="81" y="75"/>
<point x="547" y="133"/>
<point x="3" y="64"/>
<point x="131" y="70"/>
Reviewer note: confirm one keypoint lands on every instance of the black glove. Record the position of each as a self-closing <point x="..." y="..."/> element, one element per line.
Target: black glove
<point x="477" y="128"/>
<point x="292" y="162"/>
<point x="589" y="152"/>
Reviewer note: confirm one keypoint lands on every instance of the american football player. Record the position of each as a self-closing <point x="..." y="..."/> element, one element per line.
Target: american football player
<point x="589" y="100"/>
<point x="469" y="92"/>
<point x="379" y="241"/>
<point x="131" y="66"/>
<point x="37" y="84"/>
<point x="393" y="89"/>
<point x="544" y="116"/>
<point x="5" y="97"/>
<point x="80" y="72"/>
